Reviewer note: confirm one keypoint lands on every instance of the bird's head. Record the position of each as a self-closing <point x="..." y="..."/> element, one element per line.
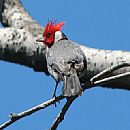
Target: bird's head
<point x="52" y="33"/>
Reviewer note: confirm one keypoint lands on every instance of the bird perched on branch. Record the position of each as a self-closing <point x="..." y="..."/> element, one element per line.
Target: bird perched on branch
<point x="65" y="59"/>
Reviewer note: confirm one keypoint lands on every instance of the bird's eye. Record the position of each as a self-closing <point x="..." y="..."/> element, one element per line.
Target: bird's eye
<point x="48" y="35"/>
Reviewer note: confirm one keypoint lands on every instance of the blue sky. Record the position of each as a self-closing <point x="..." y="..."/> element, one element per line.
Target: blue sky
<point x="95" y="23"/>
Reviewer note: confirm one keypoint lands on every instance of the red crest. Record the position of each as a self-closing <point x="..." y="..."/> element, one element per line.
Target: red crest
<point x="51" y="27"/>
<point x="49" y="31"/>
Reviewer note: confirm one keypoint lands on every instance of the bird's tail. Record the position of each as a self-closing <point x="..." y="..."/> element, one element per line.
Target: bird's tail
<point x="72" y="85"/>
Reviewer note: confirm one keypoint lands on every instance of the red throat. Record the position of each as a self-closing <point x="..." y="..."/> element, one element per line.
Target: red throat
<point x="49" y="32"/>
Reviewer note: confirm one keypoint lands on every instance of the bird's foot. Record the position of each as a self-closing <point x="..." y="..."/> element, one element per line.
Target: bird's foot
<point x="54" y="96"/>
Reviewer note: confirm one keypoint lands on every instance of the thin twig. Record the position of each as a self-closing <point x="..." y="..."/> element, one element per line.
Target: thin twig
<point x="15" y="117"/>
<point x="110" y="79"/>
<point x="61" y="115"/>
<point x="108" y="71"/>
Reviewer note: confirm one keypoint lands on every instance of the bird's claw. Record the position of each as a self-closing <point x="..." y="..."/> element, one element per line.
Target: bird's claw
<point x="54" y="96"/>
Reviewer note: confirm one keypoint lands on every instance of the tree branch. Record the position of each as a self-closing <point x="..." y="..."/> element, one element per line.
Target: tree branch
<point x="15" y="117"/>
<point x="14" y="15"/>
<point x="99" y="60"/>
<point x="19" y="46"/>
<point x="111" y="79"/>
<point x="103" y="78"/>
<point x="61" y="115"/>
<point x="108" y="71"/>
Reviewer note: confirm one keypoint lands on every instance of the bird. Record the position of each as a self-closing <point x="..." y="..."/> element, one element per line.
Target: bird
<point x="65" y="59"/>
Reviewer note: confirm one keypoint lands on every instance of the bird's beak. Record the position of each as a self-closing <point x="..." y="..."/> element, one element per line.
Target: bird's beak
<point x="40" y="40"/>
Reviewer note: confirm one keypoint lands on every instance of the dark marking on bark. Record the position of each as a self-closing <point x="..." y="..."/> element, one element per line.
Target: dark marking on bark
<point x="24" y="38"/>
<point x="13" y="36"/>
<point x="88" y="63"/>
<point x="23" y="49"/>
<point x="24" y="33"/>
<point x="1" y="8"/>
<point x="105" y="57"/>
<point x="94" y="54"/>
<point x="7" y="45"/>
<point x="19" y="36"/>
<point x="102" y="65"/>
<point x="88" y="59"/>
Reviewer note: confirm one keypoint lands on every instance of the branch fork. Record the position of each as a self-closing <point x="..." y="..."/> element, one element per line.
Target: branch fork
<point x="94" y="81"/>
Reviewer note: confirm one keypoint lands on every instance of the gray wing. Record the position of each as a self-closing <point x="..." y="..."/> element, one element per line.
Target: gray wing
<point x="65" y="52"/>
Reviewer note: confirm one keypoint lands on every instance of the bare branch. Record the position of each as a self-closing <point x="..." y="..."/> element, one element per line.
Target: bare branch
<point x="102" y="79"/>
<point x="111" y="79"/>
<point x="61" y="115"/>
<point x="19" y="46"/>
<point x="108" y="71"/>
<point x="15" y="117"/>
